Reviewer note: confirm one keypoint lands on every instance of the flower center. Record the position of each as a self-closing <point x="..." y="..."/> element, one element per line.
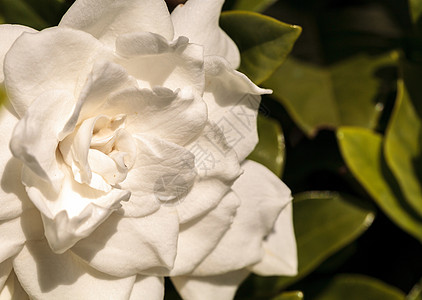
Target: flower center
<point x="100" y="152"/>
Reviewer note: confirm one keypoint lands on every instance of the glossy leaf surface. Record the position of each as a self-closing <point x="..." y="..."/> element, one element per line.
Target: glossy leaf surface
<point x="351" y="287"/>
<point x="344" y="94"/>
<point x="362" y="151"/>
<point x="324" y="223"/>
<point x="270" y="148"/>
<point x="264" y="42"/>
<point x="403" y="150"/>
<point x="253" y="5"/>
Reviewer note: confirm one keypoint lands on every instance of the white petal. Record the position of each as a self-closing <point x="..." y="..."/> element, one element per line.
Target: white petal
<point x="108" y="19"/>
<point x="280" y="257"/>
<point x="262" y="196"/>
<point x="141" y="204"/>
<point x="217" y="167"/>
<point x="233" y="102"/>
<point x="259" y="185"/>
<point x="198" y="20"/>
<point x="160" y="111"/>
<point x="13" y="289"/>
<point x="74" y="212"/>
<point x="45" y="275"/>
<point x="55" y="58"/>
<point x="5" y="269"/>
<point x="127" y="246"/>
<point x="162" y="169"/>
<point x="79" y="151"/>
<point x="104" y="79"/>
<point x="199" y="237"/>
<point x="35" y="138"/>
<point x="148" y="287"/>
<point x="222" y="287"/>
<point x="12" y="238"/>
<point x="14" y="233"/>
<point x="105" y="166"/>
<point x="147" y="43"/>
<point x="156" y="62"/>
<point x="8" y="35"/>
<point x="12" y="191"/>
<point x="240" y="247"/>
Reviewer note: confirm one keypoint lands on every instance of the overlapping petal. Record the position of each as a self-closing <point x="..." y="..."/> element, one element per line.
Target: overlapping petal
<point x="5" y="269"/>
<point x="37" y="148"/>
<point x="163" y="170"/>
<point x="198" y="20"/>
<point x="176" y="116"/>
<point x="199" y="237"/>
<point x="28" y="73"/>
<point x="100" y="152"/>
<point x="13" y="197"/>
<point x="126" y="246"/>
<point x="72" y="213"/>
<point x="108" y="19"/>
<point x="280" y="254"/>
<point x="46" y="275"/>
<point x="222" y="287"/>
<point x="153" y="61"/>
<point x="217" y="168"/>
<point x="262" y="196"/>
<point x="12" y="237"/>
<point x="233" y="101"/>
<point x="148" y="287"/>
<point x="104" y="79"/>
<point x="8" y="35"/>
<point x="12" y="289"/>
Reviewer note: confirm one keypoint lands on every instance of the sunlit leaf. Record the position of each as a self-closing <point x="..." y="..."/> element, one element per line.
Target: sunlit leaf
<point x="352" y="287"/>
<point x="324" y="223"/>
<point x="403" y="151"/>
<point x="362" y="151"/>
<point x="270" y="149"/>
<point x="296" y="295"/>
<point x="264" y="42"/>
<point x="344" y="94"/>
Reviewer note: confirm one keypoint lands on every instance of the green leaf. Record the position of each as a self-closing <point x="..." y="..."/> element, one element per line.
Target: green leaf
<point x="253" y="5"/>
<point x="324" y="223"/>
<point x="416" y="292"/>
<point x="296" y="295"/>
<point x="37" y="14"/>
<point x="352" y="287"/>
<point x="362" y="151"/>
<point x="344" y="94"/>
<point x="18" y="11"/>
<point x="270" y="148"/>
<point x="415" y="10"/>
<point x="412" y="74"/>
<point x="403" y="151"/>
<point x="264" y="42"/>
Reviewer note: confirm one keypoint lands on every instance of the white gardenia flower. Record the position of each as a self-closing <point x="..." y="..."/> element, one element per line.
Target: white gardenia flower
<point x="123" y="153"/>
